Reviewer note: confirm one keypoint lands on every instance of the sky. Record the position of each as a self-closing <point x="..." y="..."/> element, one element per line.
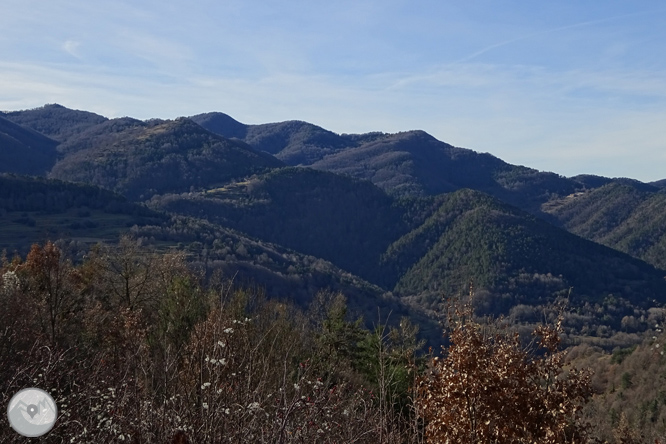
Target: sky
<point x="569" y="86"/>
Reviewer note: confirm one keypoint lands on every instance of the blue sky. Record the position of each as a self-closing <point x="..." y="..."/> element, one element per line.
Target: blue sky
<point x="565" y="86"/>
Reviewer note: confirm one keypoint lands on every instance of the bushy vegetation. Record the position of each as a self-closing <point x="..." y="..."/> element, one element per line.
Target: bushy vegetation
<point x="489" y="388"/>
<point x="134" y="346"/>
<point x="137" y="346"/>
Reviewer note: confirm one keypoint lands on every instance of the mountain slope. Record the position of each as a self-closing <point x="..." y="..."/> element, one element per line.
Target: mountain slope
<point x="55" y="121"/>
<point x="140" y="159"/>
<point x="293" y="142"/>
<point x="405" y="164"/>
<point x="518" y="258"/>
<point x="23" y="151"/>
<point x="38" y="209"/>
<point x="345" y="221"/>
<point x="423" y="248"/>
<point x="623" y="215"/>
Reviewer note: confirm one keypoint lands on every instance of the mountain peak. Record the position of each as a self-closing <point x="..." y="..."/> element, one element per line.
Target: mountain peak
<point x="221" y="124"/>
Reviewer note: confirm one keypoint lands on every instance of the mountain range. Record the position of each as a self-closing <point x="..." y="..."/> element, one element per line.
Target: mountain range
<point x="400" y="219"/>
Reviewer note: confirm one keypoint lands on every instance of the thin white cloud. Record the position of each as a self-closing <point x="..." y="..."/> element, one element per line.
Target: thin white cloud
<point x="71" y="47"/>
<point x="563" y="118"/>
<point x="554" y="30"/>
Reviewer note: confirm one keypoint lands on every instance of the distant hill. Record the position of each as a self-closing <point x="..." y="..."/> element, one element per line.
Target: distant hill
<point x="140" y="159"/>
<point x="293" y="142"/>
<point x="659" y="183"/>
<point x="35" y="209"/>
<point x="415" y="163"/>
<point x="515" y="257"/>
<point x="23" y="151"/>
<point x="412" y="163"/>
<point x="421" y="248"/>
<point x="399" y="218"/>
<point x="342" y="220"/>
<point x="629" y="216"/>
<point x="55" y="121"/>
<point x="76" y="216"/>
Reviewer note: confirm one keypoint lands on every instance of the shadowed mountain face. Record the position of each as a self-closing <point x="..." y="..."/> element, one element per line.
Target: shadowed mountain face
<point x="416" y="164"/>
<point x="140" y="159"/>
<point x="659" y="183"/>
<point x="293" y="142"/>
<point x="55" y="121"/>
<point x="404" y="164"/>
<point x="626" y="215"/>
<point x="222" y="124"/>
<point x="23" y="151"/>
<point x="421" y="248"/>
<point x="405" y="212"/>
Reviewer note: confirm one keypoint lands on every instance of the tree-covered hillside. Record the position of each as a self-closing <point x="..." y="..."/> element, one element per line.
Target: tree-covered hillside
<point x="515" y="257"/>
<point x="293" y="142"/>
<point x="623" y="215"/>
<point x="23" y="151"/>
<point x="140" y="159"/>
<point x="421" y="248"/>
<point x="345" y="221"/>
<point x="55" y="121"/>
<point x="396" y="210"/>
<point x="412" y="163"/>
<point x="38" y="209"/>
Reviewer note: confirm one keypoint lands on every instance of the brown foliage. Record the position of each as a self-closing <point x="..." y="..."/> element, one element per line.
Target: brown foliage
<point x="488" y="388"/>
<point x="52" y="283"/>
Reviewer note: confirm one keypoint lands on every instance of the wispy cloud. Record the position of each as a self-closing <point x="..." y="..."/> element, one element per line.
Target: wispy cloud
<point x="554" y="30"/>
<point x="351" y="70"/>
<point x="71" y="47"/>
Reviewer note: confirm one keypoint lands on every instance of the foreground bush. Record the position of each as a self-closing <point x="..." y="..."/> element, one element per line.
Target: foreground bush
<point x="488" y="388"/>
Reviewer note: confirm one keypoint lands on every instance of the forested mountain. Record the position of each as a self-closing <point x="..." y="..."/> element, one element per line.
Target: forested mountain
<point x="396" y="210"/>
<point x="421" y="248"/>
<point x="625" y="215"/>
<point x="23" y="151"/>
<point x="659" y="183"/>
<point x="166" y="231"/>
<point x="293" y="142"/>
<point x="38" y="209"/>
<point x="416" y="164"/>
<point x="55" y="121"/>
<point x="345" y="221"/>
<point x="514" y="259"/>
<point x="412" y="163"/>
<point x="140" y="159"/>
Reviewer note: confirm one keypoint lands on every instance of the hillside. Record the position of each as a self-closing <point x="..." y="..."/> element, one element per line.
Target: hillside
<point x="425" y="247"/>
<point x="627" y="216"/>
<point x="38" y="209"/>
<point x="293" y="142"/>
<point x="140" y="159"/>
<point x="23" y="151"/>
<point x="402" y="213"/>
<point x="55" y="121"/>
<point x="516" y="259"/>
<point x="412" y="163"/>
<point x="345" y="221"/>
<point x="415" y="163"/>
